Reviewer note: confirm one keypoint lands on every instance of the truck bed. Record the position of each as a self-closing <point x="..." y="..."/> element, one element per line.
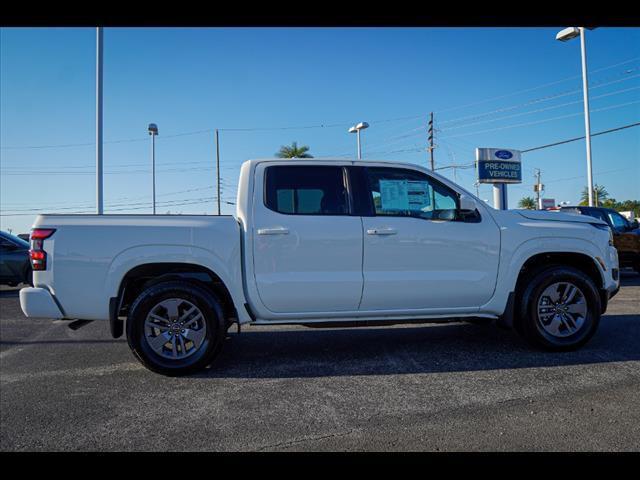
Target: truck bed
<point x="89" y="254"/>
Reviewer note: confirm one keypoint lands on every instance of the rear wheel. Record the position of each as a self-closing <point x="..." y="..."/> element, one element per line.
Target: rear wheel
<point x="176" y="328"/>
<point x="559" y="309"/>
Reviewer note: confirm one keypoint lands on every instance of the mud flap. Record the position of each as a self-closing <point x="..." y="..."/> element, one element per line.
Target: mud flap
<point x="505" y="320"/>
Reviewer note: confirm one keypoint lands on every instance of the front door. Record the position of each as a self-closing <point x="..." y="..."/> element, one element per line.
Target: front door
<point x="417" y="253"/>
<point x="307" y="245"/>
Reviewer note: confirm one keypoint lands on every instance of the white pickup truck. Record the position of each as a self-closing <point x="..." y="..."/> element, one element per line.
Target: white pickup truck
<point x="323" y="242"/>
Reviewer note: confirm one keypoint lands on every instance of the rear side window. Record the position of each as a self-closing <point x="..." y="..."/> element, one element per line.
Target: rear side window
<point x="302" y="190"/>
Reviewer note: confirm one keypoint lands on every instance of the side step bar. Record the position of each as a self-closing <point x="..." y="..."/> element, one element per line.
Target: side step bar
<point x="76" y="324"/>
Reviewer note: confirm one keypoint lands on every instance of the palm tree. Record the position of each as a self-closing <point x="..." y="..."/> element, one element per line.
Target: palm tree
<point x="528" y="203"/>
<point x="293" y="151"/>
<point x="600" y="194"/>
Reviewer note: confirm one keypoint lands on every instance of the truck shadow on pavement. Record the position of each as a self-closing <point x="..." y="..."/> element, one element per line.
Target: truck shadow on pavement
<point x="410" y="350"/>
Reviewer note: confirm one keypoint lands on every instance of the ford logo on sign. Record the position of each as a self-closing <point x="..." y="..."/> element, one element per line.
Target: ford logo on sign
<point x="504" y="154"/>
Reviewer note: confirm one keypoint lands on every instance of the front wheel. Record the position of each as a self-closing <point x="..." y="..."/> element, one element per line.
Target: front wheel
<point x="559" y="309"/>
<point x="175" y="328"/>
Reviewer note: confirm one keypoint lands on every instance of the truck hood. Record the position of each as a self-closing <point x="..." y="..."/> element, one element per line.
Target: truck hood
<point x="558" y="216"/>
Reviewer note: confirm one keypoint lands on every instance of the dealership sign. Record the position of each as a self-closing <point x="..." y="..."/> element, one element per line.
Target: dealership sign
<point x="547" y="202"/>
<point x="498" y="165"/>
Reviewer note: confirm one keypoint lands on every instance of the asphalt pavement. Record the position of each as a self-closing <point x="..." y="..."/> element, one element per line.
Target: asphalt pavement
<point x="439" y="387"/>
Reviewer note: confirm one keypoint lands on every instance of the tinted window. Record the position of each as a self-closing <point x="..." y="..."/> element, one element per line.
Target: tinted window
<point x="600" y="215"/>
<point x="408" y="193"/>
<point x="618" y="221"/>
<point x="13" y="240"/>
<point x="302" y="190"/>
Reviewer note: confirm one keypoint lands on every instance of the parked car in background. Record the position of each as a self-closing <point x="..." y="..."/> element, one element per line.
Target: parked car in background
<point x="15" y="267"/>
<point x="626" y="234"/>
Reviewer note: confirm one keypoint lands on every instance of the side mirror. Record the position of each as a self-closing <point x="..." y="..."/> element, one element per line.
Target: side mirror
<point x="467" y="204"/>
<point x="634" y="225"/>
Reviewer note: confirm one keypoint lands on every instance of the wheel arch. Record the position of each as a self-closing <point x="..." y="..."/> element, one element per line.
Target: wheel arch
<point x="146" y="275"/>
<point x="581" y="261"/>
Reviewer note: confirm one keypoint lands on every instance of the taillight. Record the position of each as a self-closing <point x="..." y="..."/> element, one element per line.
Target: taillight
<point x="36" y="253"/>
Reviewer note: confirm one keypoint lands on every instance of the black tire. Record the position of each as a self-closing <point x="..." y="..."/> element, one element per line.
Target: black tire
<point x="28" y="276"/>
<point x="528" y="323"/>
<point x="204" y="300"/>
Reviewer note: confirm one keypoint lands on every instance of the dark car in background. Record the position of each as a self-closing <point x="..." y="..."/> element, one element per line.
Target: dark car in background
<point x="15" y="265"/>
<point x="626" y="234"/>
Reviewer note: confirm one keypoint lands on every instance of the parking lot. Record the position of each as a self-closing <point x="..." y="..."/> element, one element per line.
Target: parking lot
<point x="433" y="387"/>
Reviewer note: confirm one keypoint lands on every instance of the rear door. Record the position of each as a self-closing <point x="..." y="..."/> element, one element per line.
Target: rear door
<point x="417" y="254"/>
<point x="307" y="246"/>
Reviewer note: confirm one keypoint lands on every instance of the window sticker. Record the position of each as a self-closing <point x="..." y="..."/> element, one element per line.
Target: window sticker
<point x="419" y="195"/>
<point x="404" y="195"/>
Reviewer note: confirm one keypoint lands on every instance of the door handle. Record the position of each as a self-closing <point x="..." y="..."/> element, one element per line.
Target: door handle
<point x="273" y="231"/>
<point x="382" y="231"/>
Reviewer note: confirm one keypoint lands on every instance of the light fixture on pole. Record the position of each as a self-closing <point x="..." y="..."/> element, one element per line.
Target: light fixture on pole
<point x="564" y="36"/>
<point x="153" y="131"/>
<point x="356" y="129"/>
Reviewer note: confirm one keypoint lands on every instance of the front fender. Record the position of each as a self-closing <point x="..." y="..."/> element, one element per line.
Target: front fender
<point x="512" y="262"/>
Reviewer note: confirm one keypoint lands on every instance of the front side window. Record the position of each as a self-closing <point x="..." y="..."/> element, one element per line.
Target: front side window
<point x="408" y="193"/>
<point x="302" y="190"/>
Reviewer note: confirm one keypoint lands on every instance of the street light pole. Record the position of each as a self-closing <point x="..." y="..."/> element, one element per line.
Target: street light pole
<point x="99" y="199"/>
<point x="356" y="129"/>
<point x="153" y="131"/>
<point x="587" y="123"/>
<point x="563" y="36"/>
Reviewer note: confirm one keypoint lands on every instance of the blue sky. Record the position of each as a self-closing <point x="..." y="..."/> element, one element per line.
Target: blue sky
<point x="490" y="87"/>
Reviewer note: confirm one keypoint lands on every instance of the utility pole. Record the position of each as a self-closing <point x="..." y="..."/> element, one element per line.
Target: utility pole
<point x="431" y="146"/>
<point x="153" y="131"/>
<point x="218" y="167"/>
<point x="537" y="188"/>
<point x="99" y="208"/>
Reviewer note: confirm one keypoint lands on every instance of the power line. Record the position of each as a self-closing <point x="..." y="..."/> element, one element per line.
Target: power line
<point x="537" y="100"/>
<point x="580" y="138"/>
<point x="133" y="206"/>
<point x="617" y="92"/>
<point x="623" y="127"/>
<point x="208" y="130"/>
<point x="328" y="125"/>
<point x="544" y="120"/>
<point x="479" y="102"/>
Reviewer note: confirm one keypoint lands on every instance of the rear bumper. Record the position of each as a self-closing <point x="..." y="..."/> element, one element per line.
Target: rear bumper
<point x="39" y="303"/>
